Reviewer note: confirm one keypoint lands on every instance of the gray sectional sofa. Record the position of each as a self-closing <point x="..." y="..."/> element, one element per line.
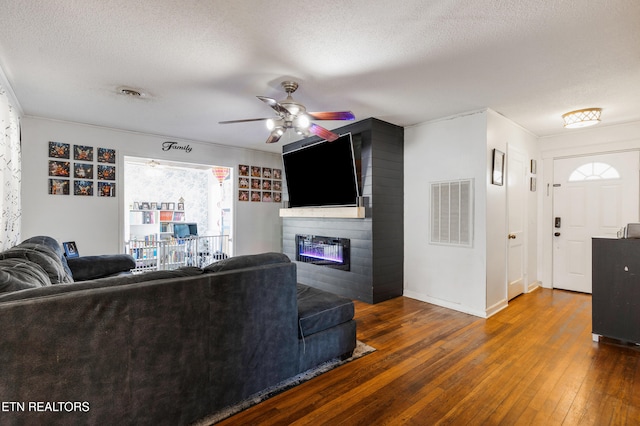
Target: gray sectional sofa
<point x="164" y="347"/>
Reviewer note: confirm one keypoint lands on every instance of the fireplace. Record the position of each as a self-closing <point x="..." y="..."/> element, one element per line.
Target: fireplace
<point x="325" y="251"/>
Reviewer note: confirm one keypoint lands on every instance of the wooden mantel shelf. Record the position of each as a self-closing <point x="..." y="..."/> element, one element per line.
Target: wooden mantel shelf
<point x="328" y="212"/>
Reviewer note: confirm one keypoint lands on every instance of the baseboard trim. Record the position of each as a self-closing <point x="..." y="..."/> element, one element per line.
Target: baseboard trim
<point x="444" y="303"/>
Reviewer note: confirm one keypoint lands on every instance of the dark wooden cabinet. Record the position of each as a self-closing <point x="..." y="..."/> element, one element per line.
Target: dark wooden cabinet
<point x="616" y="289"/>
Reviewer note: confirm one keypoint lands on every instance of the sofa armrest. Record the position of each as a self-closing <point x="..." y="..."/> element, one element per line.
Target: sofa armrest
<point x="91" y="267"/>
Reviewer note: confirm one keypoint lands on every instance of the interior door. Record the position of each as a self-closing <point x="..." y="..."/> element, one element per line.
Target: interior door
<point x="593" y="196"/>
<point x="516" y="192"/>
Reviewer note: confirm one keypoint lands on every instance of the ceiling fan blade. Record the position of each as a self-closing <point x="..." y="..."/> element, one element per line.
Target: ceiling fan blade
<point x="335" y="115"/>
<point x="242" y="121"/>
<point x="322" y="132"/>
<point x="275" y="105"/>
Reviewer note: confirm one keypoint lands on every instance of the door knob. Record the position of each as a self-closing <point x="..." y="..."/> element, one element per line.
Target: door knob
<point x="512" y="236"/>
<point x="557" y="234"/>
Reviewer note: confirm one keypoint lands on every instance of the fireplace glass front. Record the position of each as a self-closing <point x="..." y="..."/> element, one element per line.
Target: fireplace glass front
<point x="325" y="251"/>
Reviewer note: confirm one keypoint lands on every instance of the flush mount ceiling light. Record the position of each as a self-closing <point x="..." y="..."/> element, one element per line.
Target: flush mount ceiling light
<point x="582" y="118"/>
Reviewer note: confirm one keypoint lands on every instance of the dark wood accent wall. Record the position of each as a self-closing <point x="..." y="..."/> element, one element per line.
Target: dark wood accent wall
<point x="377" y="241"/>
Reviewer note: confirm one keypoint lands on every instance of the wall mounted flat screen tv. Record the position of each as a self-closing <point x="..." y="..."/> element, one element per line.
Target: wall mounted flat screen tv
<point x="322" y="174"/>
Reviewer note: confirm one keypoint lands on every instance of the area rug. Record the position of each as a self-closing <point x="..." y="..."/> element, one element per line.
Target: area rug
<point x="361" y="350"/>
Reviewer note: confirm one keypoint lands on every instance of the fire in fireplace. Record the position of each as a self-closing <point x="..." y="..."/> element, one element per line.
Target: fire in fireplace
<point x="326" y="251"/>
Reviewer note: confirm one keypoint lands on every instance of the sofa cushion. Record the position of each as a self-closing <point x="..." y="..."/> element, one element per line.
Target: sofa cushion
<point x="247" y="261"/>
<point x="319" y="310"/>
<point x="92" y="267"/>
<point x="44" y="256"/>
<point x="20" y="274"/>
<point x="187" y="271"/>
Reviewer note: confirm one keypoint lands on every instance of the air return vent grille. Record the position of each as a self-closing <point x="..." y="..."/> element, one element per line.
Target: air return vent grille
<point x="452" y="212"/>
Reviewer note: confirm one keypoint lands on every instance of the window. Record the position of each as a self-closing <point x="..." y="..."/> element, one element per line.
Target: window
<point x="594" y="171"/>
<point x="452" y="212"/>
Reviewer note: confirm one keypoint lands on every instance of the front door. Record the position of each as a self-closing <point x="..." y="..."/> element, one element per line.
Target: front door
<point x="592" y="196"/>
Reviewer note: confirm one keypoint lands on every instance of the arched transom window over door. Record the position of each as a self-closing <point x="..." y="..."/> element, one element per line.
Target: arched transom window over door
<point x="594" y="171"/>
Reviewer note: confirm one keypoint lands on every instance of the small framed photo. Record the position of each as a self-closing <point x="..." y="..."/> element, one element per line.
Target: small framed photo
<point x="266" y="197"/>
<point x="277" y="185"/>
<point x="266" y="172"/>
<point x="106" y="155"/>
<point x="83" y="170"/>
<point x="277" y="197"/>
<point x="256" y="184"/>
<point x="243" y="182"/>
<point x="70" y="249"/>
<point x="180" y="206"/>
<point x="106" y="172"/>
<point x="106" y="189"/>
<point x="277" y="174"/>
<point x="59" y="168"/>
<point x="172" y="206"/>
<point x="243" y="170"/>
<point x="82" y="153"/>
<point x="58" y="187"/>
<point x="256" y="171"/>
<point x="58" y="150"/>
<point x="83" y="187"/>
<point x="256" y="196"/>
<point x="497" y="178"/>
<point x="266" y="184"/>
<point x="243" y="195"/>
<point x="145" y="205"/>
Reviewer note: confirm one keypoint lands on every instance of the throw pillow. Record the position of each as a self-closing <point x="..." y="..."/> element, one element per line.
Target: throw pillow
<point x="54" y="245"/>
<point x="43" y="256"/>
<point x="20" y="274"/>
<point x="92" y="267"/>
<point x="247" y="261"/>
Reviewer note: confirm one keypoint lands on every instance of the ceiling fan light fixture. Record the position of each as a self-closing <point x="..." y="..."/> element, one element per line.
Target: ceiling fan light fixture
<point x="271" y="124"/>
<point x="303" y="122"/>
<point x="582" y="118"/>
<point x="274" y="124"/>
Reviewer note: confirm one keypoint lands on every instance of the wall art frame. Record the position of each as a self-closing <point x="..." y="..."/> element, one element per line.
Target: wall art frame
<point x="497" y="175"/>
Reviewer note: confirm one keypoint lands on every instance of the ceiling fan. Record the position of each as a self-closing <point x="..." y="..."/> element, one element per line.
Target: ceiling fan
<point x="293" y="115"/>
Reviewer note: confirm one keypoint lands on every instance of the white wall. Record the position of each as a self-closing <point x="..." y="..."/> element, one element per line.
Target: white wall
<point x="471" y="280"/>
<point x="447" y="149"/>
<point x="569" y="143"/>
<point x="95" y="223"/>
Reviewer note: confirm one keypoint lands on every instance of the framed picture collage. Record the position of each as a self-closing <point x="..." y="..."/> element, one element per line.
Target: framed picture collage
<point x="81" y="170"/>
<point x="259" y="184"/>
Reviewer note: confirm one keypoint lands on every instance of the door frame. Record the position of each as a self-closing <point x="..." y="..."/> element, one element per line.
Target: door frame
<point x="545" y="188"/>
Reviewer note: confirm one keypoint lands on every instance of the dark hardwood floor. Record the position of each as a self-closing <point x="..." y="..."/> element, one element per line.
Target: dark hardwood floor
<point x="533" y="363"/>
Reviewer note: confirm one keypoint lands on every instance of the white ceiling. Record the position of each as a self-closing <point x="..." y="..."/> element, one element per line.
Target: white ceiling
<point x="405" y="61"/>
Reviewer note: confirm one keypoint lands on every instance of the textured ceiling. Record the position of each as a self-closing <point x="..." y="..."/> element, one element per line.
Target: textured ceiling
<point x="406" y="62"/>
